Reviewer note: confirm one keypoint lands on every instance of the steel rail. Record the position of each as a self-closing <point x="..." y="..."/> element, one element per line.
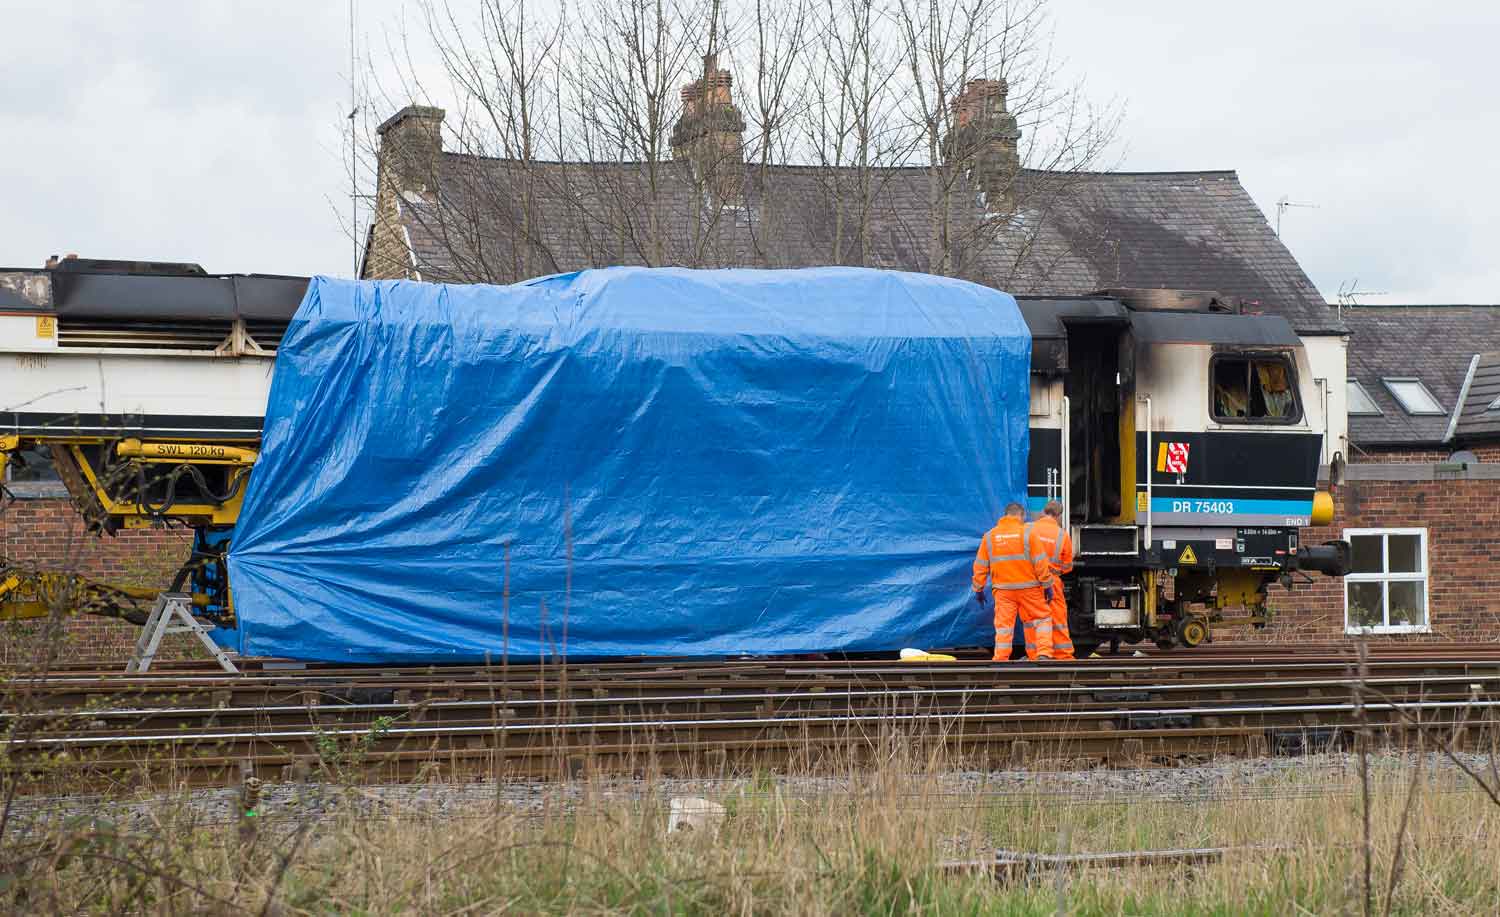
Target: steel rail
<point x="1198" y="657"/>
<point x="525" y="719"/>
<point x="554" y="760"/>
<point x="894" y="691"/>
<point x="1028" y="674"/>
<point x="757" y="722"/>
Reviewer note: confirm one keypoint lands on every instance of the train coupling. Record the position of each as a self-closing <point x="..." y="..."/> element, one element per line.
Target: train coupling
<point x="1330" y="558"/>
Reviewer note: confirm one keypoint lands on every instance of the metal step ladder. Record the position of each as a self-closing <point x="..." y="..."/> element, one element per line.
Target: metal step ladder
<point x="173" y="614"/>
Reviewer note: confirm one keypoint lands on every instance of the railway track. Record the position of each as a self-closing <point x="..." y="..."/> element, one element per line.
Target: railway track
<point x="81" y="727"/>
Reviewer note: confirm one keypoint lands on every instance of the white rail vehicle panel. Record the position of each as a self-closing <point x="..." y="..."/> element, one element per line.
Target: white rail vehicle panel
<point x="97" y="391"/>
<point x="1046" y="402"/>
<point x="28" y="333"/>
<point x="1176" y="377"/>
<point x="1251" y="479"/>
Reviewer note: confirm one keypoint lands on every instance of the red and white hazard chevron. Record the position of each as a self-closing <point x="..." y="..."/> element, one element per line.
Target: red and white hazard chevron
<point x="1172" y="458"/>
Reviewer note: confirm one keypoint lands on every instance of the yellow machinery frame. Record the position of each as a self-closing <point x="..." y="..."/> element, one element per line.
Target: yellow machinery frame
<point x="30" y="594"/>
<point x="133" y="515"/>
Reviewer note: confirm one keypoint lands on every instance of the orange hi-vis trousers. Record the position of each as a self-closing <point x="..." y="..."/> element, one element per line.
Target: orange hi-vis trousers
<point x="1062" y="641"/>
<point x="1049" y="532"/>
<point x="1036" y="621"/>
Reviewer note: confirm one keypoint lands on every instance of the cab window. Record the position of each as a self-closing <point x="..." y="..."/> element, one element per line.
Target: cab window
<point x="1254" y="389"/>
<point x="30" y="464"/>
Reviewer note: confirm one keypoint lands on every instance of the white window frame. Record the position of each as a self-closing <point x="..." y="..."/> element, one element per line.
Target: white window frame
<point x="1391" y="382"/>
<point x="1385" y="578"/>
<point x="1355" y="383"/>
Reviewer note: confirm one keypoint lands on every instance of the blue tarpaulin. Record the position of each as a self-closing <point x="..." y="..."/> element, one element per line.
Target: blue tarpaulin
<point x="631" y="461"/>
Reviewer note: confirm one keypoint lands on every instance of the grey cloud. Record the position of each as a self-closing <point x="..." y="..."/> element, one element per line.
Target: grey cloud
<point x="211" y="131"/>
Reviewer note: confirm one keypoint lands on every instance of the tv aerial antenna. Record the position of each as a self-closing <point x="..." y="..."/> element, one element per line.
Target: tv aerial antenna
<point x="354" y="139"/>
<point x="1283" y="204"/>
<point x="1349" y="293"/>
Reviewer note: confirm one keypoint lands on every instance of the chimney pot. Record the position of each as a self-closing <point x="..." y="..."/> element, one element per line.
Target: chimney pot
<point x="428" y="116"/>
<point x="411" y="141"/>
<point x="984" y="140"/>
<point x="710" y="133"/>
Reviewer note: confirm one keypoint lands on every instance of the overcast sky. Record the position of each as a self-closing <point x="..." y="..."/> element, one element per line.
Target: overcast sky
<point x="209" y="131"/>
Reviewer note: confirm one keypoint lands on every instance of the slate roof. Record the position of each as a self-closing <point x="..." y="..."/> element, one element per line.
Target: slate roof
<point x="1479" y="415"/>
<point x="1431" y="343"/>
<point x="1072" y="233"/>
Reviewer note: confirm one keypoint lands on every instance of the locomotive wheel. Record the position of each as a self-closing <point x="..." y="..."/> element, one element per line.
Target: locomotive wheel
<point x="1192" y="631"/>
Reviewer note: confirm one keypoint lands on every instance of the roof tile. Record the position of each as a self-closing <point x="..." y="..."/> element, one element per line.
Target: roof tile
<point x="1431" y="343"/>
<point x="1073" y="233"/>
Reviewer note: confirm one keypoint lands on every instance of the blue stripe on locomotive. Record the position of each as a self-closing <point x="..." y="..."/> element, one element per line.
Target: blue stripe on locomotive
<point x="1231" y="506"/>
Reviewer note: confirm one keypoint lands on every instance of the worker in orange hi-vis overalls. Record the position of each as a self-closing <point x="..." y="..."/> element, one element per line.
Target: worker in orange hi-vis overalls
<point x="1058" y="545"/>
<point x="1011" y="560"/>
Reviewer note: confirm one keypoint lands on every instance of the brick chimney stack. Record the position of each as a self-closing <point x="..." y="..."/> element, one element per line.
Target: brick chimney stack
<point x="984" y="140"/>
<point x="411" y="145"/>
<point x="710" y="133"/>
<point x="411" y="141"/>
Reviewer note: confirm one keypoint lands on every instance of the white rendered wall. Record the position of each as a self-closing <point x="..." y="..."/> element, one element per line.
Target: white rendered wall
<point x="1328" y="358"/>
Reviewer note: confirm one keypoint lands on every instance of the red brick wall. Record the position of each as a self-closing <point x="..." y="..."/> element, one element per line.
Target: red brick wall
<point x="1399" y="456"/>
<point x="48" y="534"/>
<point x="1487" y="453"/>
<point x="1463" y="560"/>
<point x="1461" y="517"/>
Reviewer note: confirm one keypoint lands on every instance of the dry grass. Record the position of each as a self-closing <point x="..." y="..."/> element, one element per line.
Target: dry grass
<point x="873" y="847"/>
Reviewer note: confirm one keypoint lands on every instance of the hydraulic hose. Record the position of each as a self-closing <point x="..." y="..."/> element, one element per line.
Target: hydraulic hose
<point x="171" y="478"/>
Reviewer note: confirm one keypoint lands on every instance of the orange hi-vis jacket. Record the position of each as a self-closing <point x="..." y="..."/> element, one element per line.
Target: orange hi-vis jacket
<point x="1057" y="543"/>
<point x="1011" y="557"/>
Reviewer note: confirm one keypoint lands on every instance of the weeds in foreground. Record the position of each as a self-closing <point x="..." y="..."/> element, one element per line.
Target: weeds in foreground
<point x="874" y="845"/>
<point x="344" y="757"/>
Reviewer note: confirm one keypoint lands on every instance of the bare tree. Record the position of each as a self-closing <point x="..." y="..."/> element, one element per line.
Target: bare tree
<point x="777" y="35"/>
<point x="632" y="61"/>
<point x="505" y="63"/>
<point x="982" y="78"/>
<point x="610" y="133"/>
<point x="849" y="126"/>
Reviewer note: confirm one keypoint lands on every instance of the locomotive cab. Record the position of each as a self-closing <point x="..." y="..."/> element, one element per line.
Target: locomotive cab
<point x="1185" y="440"/>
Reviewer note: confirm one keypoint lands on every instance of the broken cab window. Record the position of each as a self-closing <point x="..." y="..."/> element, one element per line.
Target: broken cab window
<point x="31" y="464"/>
<point x="1254" y="390"/>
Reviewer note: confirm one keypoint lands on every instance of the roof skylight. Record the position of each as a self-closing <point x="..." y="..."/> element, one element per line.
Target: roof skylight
<point x="1412" y="395"/>
<point x="1360" y="401"/>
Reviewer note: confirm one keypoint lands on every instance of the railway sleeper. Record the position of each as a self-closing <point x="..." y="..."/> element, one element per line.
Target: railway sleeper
<point x="1136" y="721"/>
<point x="739" y="756"/>
<point x="1308" y="740"/>
<point x="1126" y="696"/>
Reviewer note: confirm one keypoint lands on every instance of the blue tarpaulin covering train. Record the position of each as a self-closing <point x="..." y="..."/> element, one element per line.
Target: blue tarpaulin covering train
<point x="631" y="461"/>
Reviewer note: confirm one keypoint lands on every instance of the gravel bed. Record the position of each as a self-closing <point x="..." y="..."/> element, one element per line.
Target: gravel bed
<point x="296" y="803"/>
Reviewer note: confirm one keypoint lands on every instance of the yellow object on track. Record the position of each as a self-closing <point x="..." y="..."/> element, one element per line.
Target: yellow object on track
<point x="913" y="655"/>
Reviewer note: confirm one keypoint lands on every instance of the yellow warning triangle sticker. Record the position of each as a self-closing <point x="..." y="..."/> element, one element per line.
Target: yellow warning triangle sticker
<point x="1187" y="557"/>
